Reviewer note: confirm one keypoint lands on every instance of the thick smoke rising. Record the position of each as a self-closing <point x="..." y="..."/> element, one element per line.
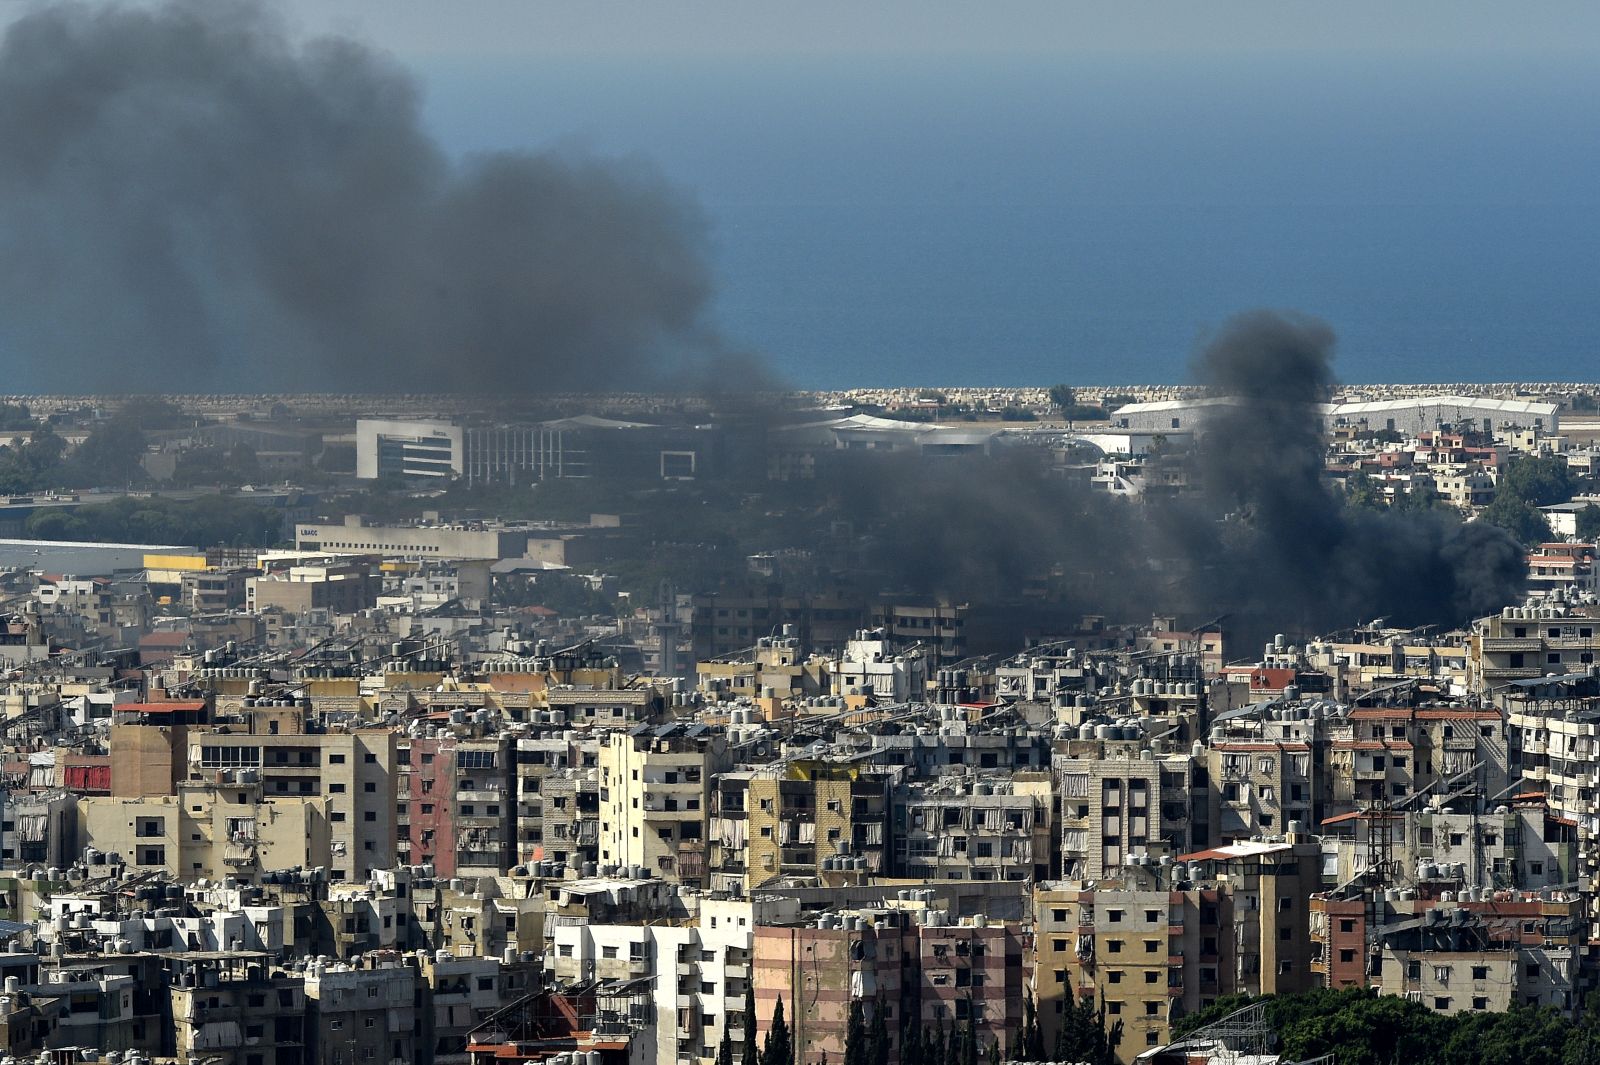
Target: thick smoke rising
<point x="1265" y="540"/>
<point x="986" y="527"/>
<point x="1293" y="551"/>
<point x="192" y="199"/>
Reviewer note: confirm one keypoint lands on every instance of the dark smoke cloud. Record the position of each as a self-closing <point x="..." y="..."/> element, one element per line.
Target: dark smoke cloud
<point x="1295" y="555"/>
<point x="193" y="199"/>
<point x="1264" y="540"/>
<point x="980" y="528"/>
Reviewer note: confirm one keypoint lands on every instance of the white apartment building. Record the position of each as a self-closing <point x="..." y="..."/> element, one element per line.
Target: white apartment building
<point x="698" y="972"/>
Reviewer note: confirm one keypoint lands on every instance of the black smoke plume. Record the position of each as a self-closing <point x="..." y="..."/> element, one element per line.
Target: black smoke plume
<point x="192" y="199"/>
<point x="1264" y="540"/>
<point x="1293" y="554"/>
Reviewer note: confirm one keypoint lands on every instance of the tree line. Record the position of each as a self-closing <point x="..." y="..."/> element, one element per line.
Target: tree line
<point x="112" y="453"/>
<point x="1524" y="484"/>
<point x="200" y="523"/>
<point x="1360" y="1027"/>
<point x="1083" y="1036"/>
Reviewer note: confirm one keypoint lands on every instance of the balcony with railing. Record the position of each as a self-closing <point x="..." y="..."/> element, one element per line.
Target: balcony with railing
<point x="1511" y="644"/>
<point x="799" y="856"/>
<point x="1573" y="643"/>
<point x="239" y="855"/>
<point x="1511" y="672"/>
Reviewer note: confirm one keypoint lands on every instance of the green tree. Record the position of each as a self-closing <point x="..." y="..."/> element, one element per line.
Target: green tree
<point x="911" y="1038"/>
<point x="1362" y="491"/>
<point x="933" y="1051"/>
<point x="56" y="525"/>
<point x="200" y="465"/>
<point x="1084" y="1035"/>
<point x="16" y="416"/>
<point x="878" y="1036"/>
<point x="1518" y="1036"/>
<point x="855" y="1035"/>
<point x="203" y="522"/>
<point x="32" y="465"/>
<point x="1419" y="498"/>
<point x="1519" y="518"/>
<point x="1539" y="480"/>
<point x="1032" y="1033"/>
<point x="244" y="463"/>
<point x="1588" y="522"/>
<point x="109" y="456"/>
<point x="725" y="1048"/>
<point x="1363" y="1029"/>
<point x="153" y="412"/>
<point x="212" y="465"/>
<point x="779" y="1049"/>
<point x="1357" y="1026"/>
<point x="750" y="1055"/>
<point x="1222" y="1007"/>
<point x="1109" y="1038"/>
<point x="1065" y="401"/>
<point x="1582" y="1045"/>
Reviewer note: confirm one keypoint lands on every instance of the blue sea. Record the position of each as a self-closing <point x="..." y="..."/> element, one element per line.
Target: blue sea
<point x="985" y="220"/>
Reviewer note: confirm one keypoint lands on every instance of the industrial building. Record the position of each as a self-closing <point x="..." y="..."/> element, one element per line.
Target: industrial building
<point x="1408" y="416"/>
<point x="580" y="446"/>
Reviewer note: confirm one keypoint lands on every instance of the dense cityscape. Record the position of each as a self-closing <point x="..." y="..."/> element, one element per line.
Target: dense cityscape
<point x="635" y="731"/>
<point x="536" y="532"/>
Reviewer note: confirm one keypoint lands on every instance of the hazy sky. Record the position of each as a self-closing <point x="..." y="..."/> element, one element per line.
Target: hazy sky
<point x="583" y="27"/>
<point x="1038" y="190"/>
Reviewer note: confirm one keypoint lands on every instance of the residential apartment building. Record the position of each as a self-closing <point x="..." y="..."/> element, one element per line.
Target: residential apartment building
<point x="1390" y="754"/>
<point x="1119" y="799"/>
<point x="1161" y="940"/>
<point x="1489" y="955"/>
<point x="425" y="808"/>
<point x="485" y="806"/>
<point x="982" y="827"/>
<point x="1522" y="846"/>
<point x="804" y="814"/>
<point x="231" y="1012"/>
<point x="655" y="791"/>
<point x="363" y="1012"/>
<point x="1126" y="943"/>
<point x="570" y="822"/>
<point x="902" y="958"/>
<point x="539" y="754"/>
<point x="1521" y="643"/>
<point x="210" y="830"/>
<point x="337" y="587"/>
<point x="870" y="666"/>
<point x="1562" y="569"/>
<point x="1553" y="729"/>
<point x="698" y="972"/>
<point x="352" y="769"/>
<point x="1261" y="787"/>
<point x="1341" y="955"/>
